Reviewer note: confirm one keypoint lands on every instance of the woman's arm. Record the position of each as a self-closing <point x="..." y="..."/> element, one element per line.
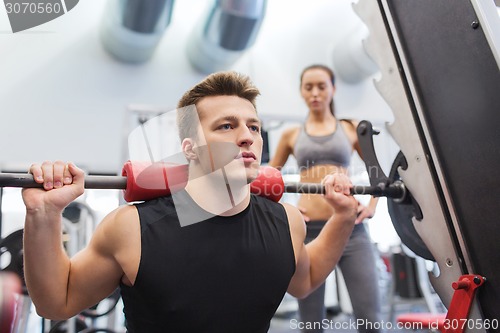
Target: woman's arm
<point x="366" y="212"/>
<point x="284" y="148"/>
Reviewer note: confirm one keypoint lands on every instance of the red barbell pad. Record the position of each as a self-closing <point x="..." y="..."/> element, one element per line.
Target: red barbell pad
<point x="146" y="181"/>
<point x="268" y="184"/>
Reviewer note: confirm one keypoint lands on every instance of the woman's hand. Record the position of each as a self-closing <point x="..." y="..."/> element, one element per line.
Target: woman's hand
<point x="364" y="212"/>
<point x="303" y="211"/>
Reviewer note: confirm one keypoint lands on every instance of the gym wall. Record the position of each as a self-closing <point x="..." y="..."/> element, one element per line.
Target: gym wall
<point x="64" y="97"/>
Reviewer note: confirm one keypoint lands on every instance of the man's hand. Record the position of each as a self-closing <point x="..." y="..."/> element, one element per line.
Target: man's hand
<point x="338" y="194"/>
<point x="62" y="184"/>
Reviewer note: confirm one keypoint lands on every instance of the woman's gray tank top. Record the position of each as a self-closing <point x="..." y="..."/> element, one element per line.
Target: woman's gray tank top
<point x="334" y="148"/>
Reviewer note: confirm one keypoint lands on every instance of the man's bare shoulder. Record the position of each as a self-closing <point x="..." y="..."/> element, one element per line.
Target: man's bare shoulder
<point x="295" y="220"/>
<point x="118" y="228"/>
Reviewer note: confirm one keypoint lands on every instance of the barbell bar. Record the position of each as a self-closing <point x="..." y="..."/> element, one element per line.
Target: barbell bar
<point x="146" y="181"/>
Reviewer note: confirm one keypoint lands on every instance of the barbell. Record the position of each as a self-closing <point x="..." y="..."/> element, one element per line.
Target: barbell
<point x="142" y="181"/>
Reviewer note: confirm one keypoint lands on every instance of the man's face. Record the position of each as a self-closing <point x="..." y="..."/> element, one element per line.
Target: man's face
<point x="229" y="136"/>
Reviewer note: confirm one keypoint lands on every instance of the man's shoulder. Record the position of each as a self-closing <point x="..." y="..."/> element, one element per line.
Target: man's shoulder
<point x="295" y="219"/>
<point x="289" y="211"/>
<point x="159" y="208"/>
<point x="264" y="201"/>
<point x="165" y="201"/>
<point x="269" y="206"/>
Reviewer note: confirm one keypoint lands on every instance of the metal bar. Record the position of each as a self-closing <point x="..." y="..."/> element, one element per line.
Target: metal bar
<point x="395" y="190"/>
<point x="91" y="182"/>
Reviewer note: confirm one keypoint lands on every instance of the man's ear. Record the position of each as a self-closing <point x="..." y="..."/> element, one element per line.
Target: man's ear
<point x="188" y="149"/>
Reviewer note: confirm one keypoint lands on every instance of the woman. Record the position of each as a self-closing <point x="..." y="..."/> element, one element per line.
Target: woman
<point x="324" y="144"/>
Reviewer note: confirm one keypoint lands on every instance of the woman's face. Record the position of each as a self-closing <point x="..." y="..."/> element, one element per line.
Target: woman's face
<point x="317" y="89"/>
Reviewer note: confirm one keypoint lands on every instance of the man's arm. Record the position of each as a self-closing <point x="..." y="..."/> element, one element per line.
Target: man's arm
<point x="317" y="259"/>
<point x="61" y="287"/>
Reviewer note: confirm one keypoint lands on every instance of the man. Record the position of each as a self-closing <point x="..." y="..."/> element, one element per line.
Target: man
<point x="226" y="270"/>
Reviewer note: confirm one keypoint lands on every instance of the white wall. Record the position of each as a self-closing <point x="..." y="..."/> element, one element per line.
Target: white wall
<point x="63" y="97"/>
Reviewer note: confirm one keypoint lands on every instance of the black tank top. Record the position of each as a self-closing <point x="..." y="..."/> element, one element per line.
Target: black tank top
<point x="225" y="274"/>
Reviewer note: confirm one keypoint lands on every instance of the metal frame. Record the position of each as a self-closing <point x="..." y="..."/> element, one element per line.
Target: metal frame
<point x="489" y="19"/>
<point x="397" y="88"/>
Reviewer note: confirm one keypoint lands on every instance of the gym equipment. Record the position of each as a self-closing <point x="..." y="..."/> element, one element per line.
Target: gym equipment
<point x="79" y="219"/>
<point x="11" y="255"/>
<point x="440" y="63"/>
<point x="12" y="281"/>
<point x="80" y="327"/>
<point x="62" y="326"/>
<point x="144" y="181"/>
<point x="402" y="213"/>
<point x="14" y="313"/>
<point x="401" y="209"/>
<point x="75" y="221"/>
<point x="9" y="286"/>
<point x="96" y="311"/>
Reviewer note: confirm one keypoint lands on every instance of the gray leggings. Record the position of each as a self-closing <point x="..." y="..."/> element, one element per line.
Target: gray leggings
<point x="360" y="274"/>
